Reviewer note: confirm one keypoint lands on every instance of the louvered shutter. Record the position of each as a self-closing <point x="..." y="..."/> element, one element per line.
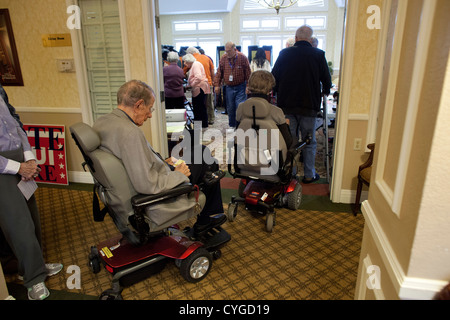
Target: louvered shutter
<point x="103" y="51"/>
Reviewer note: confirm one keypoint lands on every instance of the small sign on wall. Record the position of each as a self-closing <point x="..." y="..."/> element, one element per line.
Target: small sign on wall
<point x="48" y="143"/>
<point x="57" y="40"/>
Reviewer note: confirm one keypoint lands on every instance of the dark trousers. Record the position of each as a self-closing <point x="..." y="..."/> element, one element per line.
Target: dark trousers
<point x="213" y="204"/>
<point x="175" y="103"/>
<point x="200" y="112"/>
<point x="20" y="226"/>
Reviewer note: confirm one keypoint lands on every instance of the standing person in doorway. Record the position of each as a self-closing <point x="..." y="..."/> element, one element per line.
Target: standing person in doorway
<point x="208" y="65"/>
<point x="173" y="82"/>
<point x="198" y="81"/>
<point x="302" y="78"/>
<point x="234" y="71"/>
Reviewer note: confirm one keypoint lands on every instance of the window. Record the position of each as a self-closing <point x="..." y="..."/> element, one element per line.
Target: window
<point x="312" y="4"/>
<point x="103" y="51"/>
<point x="208" y="44"/>
<point x="246" y="41"/>
<point x="203" y="26"/>
<point x="260" y="24"/>
<point x="198" y="33"/>
<point x="316" y="22"/>
<point x="253" y="6"/>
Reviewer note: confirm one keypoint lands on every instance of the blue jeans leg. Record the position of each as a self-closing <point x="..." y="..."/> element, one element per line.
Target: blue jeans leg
<point x="235" y="96"/>
<point x="294" y="126"/>
<point x="300" y="127"/>
<point x="307" y="127"/>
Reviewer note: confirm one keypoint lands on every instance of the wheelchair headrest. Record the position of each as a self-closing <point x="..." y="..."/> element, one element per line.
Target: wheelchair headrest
<point x="87" y="138"/>
<point x="261" y="107"/>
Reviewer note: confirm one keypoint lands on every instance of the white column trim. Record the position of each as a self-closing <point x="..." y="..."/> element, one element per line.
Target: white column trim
<point x="351" y="24"/>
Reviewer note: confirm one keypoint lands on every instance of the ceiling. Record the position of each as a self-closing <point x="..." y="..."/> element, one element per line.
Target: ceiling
<point x="204" y="6"/>
<point x="198" y="6"/>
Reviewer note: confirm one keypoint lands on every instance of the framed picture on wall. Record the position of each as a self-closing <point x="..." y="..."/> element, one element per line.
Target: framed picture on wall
<point x="9" y="62"/>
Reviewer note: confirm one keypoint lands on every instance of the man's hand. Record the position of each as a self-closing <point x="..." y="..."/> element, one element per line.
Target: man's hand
<point x="216" y="90"/>
<point x="183" y="168"/>
<point x="29" y="170"/>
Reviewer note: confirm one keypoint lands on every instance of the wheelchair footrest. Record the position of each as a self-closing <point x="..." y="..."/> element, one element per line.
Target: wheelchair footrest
<point x="212" y="239"/>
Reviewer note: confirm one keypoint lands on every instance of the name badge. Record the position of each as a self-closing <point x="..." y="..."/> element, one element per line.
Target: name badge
<point x="230" y="78"/>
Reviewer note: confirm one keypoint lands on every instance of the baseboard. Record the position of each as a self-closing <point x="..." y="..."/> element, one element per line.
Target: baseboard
<point x="420" y="289"/>
<point x="348" y="196"/>
<point x="408" y="288"/>
<point x="80" y="177"/>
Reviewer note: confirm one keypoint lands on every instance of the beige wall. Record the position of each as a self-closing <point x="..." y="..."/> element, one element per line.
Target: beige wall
<point x="135" y="41"/>
<point x="44" y="86"/>
<point x="357" y="95"/>
<point x="364" y="53"/>
<point x="406" y="219"/>
<point x="45" y="89"/>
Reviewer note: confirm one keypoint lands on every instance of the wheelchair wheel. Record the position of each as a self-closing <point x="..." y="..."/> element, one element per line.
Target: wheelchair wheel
<point x="232" y="211"/>
<point x="94" y="260"/>
<point x="295" y="197"/>
<point x="196" y="267"/>
<point x="110" y="294"/>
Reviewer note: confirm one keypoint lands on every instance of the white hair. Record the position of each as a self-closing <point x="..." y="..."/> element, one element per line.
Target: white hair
<point x="192" y="50"/>
<point x="172" y="56"/>
<point x="189" y="58"/>
<point x="290" y="42"/>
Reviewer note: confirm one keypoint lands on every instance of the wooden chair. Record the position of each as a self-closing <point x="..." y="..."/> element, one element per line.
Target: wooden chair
<point x="364" y="173"/>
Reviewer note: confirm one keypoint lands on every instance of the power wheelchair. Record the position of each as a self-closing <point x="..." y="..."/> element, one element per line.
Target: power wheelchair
<point x="147" y="239"/>
<point x="264" y="163"/>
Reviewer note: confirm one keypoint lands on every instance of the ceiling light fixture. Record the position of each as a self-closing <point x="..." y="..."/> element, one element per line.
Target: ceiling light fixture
<point x="276" y="4"/>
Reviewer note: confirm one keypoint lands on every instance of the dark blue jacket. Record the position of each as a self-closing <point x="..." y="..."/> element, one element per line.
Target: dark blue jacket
<point x="302" y="75"/>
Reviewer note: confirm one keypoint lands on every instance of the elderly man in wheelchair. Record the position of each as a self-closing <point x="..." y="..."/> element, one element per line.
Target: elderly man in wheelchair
<point x="147" y="196"/>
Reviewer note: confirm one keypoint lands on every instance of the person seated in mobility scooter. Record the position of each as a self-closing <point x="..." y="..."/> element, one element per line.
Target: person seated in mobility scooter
<point x="147" y="195"/>
<point x="264" y="154"/>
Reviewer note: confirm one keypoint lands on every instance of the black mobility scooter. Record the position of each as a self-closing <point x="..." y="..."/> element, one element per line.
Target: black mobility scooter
<point x="264" y="163"/>
<point x="148" y="237"/>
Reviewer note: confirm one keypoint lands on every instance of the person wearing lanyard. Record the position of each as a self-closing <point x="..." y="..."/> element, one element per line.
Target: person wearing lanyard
<point x="234" y="71"/>
<point x="20" y="230"/>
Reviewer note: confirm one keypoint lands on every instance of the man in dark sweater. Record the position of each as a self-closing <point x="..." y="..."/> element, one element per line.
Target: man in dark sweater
<point x="302" y="77"/>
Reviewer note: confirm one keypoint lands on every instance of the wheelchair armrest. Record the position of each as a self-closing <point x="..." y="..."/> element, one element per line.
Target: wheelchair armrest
<point x="146" y="199"/>
<point x="295" y="149"/>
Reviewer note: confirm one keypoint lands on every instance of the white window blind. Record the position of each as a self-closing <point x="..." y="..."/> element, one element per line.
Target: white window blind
<point x="103" y="51"/>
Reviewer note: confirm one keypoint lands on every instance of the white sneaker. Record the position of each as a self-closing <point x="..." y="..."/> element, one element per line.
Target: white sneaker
<point x="52" y="269"/>
<point x="38" y="292"/>
<point x="10" y="298"/>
